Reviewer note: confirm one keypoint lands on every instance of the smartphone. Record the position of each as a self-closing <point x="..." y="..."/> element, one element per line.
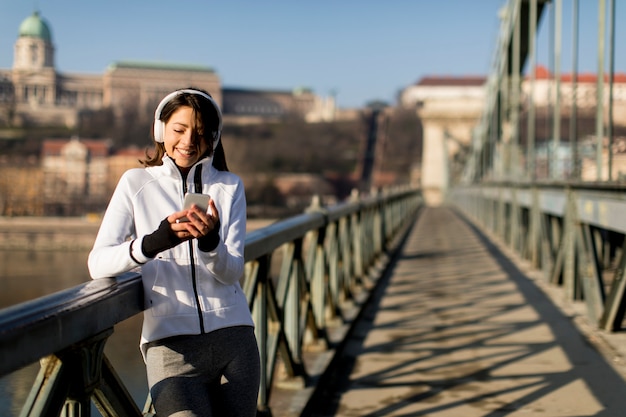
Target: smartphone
<point x="200" y="200"/>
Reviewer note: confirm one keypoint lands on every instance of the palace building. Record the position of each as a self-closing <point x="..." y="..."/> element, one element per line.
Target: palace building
<point x="32" y="92"/>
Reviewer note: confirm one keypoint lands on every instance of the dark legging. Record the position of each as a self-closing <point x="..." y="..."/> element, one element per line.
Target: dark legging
<point x="214" y="374"/>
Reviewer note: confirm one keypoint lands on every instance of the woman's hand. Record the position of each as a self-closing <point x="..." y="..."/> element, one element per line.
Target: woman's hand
<point x="194" y="223"/>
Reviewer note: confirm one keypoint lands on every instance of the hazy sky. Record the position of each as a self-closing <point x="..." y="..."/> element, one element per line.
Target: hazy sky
<point x="361" y="49"/>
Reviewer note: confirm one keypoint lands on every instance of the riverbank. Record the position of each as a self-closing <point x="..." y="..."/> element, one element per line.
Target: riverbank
<point x="61" y="233"/>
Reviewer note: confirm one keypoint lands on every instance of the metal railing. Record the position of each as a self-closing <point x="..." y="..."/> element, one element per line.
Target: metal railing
<point x="572" y="232"/>
<point x="300" y="272"/>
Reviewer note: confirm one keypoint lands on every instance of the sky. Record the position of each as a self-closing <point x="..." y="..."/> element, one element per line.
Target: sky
<point x="356" y="50"/>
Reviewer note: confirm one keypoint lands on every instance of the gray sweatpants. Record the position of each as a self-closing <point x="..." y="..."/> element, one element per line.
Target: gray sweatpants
<point x="213" y="374"/>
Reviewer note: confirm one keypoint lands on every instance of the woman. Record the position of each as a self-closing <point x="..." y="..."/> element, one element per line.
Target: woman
<point x="197" y="338"/>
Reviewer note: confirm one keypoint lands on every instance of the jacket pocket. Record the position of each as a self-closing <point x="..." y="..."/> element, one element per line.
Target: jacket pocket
<point x="215" y="296"/>
<point x="171" y="292"/>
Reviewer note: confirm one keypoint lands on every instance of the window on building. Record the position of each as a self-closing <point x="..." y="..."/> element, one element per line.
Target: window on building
<point x="33" y="53"/>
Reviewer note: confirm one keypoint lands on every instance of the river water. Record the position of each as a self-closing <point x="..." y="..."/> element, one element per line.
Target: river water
<point x="25" y="275"/>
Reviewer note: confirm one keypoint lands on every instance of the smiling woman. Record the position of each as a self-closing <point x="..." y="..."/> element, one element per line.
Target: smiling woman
<point x="190" y="269"/>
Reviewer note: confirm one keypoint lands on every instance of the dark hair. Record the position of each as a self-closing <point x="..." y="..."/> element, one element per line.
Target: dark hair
<point x="207" y="127"/>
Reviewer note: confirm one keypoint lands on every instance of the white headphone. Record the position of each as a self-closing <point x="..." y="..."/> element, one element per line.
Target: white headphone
<point x="159" y="125"/>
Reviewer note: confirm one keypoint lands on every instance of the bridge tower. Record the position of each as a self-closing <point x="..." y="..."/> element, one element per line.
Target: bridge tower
<point x="449" y="108"/>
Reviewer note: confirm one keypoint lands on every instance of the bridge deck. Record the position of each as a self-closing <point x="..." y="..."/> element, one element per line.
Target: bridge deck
<point x="459" y="329"/>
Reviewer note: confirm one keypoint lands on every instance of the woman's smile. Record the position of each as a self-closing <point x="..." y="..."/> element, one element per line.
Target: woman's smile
<point x="186" y="152"/>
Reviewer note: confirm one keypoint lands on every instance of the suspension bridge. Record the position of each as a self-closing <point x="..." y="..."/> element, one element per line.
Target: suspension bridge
<point x="495" y="287"/>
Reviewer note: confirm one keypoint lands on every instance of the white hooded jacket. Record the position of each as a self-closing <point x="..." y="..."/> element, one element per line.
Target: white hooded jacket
<point x="186" y="291"/>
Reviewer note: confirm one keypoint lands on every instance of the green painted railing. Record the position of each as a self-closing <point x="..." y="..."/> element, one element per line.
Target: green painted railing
<point x="301" y="273"/>
<point x="573" y="233"/>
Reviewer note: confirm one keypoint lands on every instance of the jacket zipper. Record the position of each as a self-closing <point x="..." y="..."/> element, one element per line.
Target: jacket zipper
<point x="193" y="274"/>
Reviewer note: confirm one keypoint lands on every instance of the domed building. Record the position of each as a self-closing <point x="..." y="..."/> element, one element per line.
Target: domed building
<point x="34" y="49"/>
<point x="34" y="93"/>
<point x="28" y="92"/>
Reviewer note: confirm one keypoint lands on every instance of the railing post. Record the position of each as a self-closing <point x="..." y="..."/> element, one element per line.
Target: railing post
<point x="569" y="246"/>
<point x="534" y="240"/>
<point x="68" y="379"/>
<point x="261" y="318"/>
<point x="357" y="241"/>
<point x="317" y="271"/>
<point x="514" y="221"/>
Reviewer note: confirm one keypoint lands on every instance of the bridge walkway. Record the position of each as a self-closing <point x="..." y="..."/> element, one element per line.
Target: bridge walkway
<point x="458" y="328"/>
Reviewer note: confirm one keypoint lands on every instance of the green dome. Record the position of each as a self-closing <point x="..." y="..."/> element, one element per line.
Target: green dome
<point x="35" y="26"/>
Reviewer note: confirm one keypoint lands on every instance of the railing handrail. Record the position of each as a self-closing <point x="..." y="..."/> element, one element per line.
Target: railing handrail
<point x="600" y="206"/>
<point x="271" y="237"/>
<point x="60" y="319"/>
<point x="573" y="184"/>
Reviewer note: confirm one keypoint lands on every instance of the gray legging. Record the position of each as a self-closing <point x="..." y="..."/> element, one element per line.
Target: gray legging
<point x="213" y="374"/>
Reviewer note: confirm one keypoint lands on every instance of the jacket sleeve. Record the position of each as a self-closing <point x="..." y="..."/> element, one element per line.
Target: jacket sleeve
<point x="115" y="251"/>
<point x="226" y="261"/>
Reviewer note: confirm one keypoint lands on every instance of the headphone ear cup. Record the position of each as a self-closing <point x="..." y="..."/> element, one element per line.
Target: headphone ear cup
<point x="159" y="128"/>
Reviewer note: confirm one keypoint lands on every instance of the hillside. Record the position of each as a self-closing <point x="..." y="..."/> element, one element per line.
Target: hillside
<point x="332" y="152"/>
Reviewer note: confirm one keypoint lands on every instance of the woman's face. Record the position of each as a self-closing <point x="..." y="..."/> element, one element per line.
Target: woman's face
<point x="180" y="139"/>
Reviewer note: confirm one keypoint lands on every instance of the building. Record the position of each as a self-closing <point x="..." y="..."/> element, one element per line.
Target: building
<point x="447" y="89"/>
<point x="74" y="176"/>
<point x="247" y="103"/>
<point x="585" y="89"/>
<point x="467" y="90"/>
<point x="32" y="92"/>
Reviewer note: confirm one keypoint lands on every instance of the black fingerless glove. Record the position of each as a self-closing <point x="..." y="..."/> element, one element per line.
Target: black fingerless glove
<point x="209" y="242"/>
<point x="161" y="239"/>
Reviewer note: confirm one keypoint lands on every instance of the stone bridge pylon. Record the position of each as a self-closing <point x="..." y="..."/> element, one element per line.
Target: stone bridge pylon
<point x="449" y="109"/>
